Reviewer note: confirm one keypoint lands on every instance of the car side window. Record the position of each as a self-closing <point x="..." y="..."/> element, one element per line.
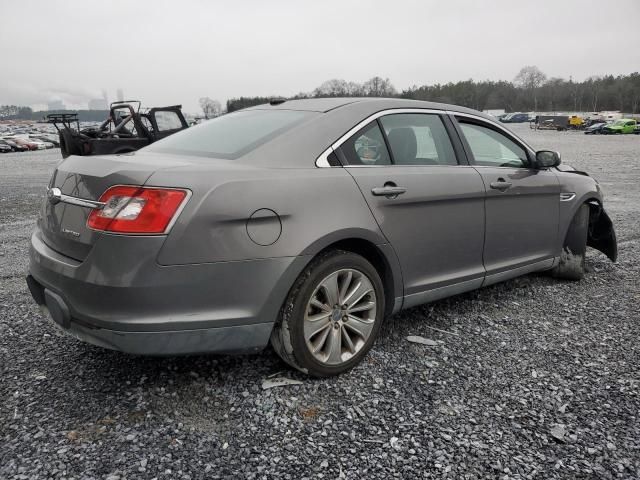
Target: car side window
<point x="366" y="147"/>
<point x="418" y="139"/>
<point x="493" y="149"/>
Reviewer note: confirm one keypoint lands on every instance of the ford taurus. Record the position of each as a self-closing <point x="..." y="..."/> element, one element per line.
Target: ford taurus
<point x="304" y="223"/>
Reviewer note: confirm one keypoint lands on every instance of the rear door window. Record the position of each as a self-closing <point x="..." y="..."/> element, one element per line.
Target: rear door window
<point x="418" y="139"/>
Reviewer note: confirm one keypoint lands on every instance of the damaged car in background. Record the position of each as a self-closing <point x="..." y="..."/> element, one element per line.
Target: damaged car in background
<point x="303" y="223"/>
<point x="126" y="129"/>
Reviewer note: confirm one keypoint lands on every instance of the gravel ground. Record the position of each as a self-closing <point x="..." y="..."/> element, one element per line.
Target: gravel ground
<point x="537" y="378"/>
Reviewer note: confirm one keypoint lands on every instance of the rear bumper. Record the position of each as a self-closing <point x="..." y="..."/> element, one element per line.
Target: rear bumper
<point x="135" y="305"/>
<point x="236" y="339"/>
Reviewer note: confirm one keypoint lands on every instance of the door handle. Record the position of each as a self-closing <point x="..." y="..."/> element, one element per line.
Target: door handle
<point x="389" y="191"/>
<point x="500" y="185"/>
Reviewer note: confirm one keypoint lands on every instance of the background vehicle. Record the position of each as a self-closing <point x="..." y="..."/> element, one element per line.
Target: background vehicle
<point x="515" y="118"/>
<point x="31" y="144"/>
<point x="4" y="148"/>
<point x="551" y="122"/>
<point x="38" y="139"/>
<point x="595" y="128"/>
<point x="304" y="223"/>
<point x="16" y="147"/>
<point x="125" y="130"/>
<point x="575" y="122"/>
<point x="621" y="126"/>
<point x="46" y="139"/>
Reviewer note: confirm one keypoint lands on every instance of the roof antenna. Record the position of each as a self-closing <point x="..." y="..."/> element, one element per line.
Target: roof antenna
<point x="277" y="101"/>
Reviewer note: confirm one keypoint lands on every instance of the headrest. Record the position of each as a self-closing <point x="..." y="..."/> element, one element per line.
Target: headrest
<point x="403" y="145"/>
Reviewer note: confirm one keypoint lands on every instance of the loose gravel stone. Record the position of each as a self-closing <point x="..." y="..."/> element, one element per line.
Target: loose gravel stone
<point x="470" y="408"/>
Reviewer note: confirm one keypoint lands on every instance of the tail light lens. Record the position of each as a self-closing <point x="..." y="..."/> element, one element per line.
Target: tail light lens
<point x="139" y="210"/>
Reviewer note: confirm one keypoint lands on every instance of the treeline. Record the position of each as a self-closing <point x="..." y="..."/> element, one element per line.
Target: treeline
<point x="13" y="112"/>
<point x="530" y="90"/>
<point x="374" y="87"/>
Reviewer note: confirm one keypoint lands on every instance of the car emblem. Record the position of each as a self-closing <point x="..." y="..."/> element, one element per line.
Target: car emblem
<point x="54" y="195"/>
<point x="70" y="232"/>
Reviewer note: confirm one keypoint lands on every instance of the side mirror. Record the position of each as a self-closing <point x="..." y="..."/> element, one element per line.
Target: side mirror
<point x="547" y="159"/>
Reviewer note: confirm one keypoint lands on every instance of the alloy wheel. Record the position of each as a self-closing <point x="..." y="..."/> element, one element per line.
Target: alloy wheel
<point x="340" y="316"/>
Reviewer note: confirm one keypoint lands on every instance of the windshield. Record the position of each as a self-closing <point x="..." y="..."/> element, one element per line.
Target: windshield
<point x="619" y="122"/>
<point x="233" y="135"/>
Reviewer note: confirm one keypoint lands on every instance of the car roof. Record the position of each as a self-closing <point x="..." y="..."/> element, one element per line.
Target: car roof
<point x="374" y="104"/>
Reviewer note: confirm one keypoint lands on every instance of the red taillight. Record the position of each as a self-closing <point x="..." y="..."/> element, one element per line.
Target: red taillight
<point x="136" y="209"/>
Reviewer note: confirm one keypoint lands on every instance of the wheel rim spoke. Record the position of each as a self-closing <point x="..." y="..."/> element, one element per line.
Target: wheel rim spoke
<point x="319" y="316"/>
<point x="346" y="283"/>
<point x="330" y="288"/>
<point x="362" y="292"/>
<point x="360" y="327"/>
<point x="363" y="307"/>
<point x="358" y="292"/>
<point x="355" y="286"/>
<point x="335" y="346"/>
<point x="321" y="305"/>
<point x="322" y="341"/>
<point x="347" y="339"/>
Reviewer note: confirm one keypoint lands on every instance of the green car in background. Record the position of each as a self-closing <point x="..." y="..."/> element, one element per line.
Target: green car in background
<point x="623" y="125"/>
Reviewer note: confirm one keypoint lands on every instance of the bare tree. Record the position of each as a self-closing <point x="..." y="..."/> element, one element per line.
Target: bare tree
<point x="576" y="95"/>
<point x="378" y="87"/>
<point x="332" y="88"/>
<point x="338" y="88"/>
<point x="530" y="78"/>
<point x="211" y="108"/>
<point x="634" y="80"/>
<point x="593" y="86"/>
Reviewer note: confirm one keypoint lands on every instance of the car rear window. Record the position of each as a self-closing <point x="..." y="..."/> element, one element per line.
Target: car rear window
<point x="231" y="136"/>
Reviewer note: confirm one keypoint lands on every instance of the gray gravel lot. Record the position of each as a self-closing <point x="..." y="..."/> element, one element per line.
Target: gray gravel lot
<point x="538" y="379"/>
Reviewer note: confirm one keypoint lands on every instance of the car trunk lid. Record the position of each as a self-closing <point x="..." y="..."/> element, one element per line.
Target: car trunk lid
<point x="64" y="225"/>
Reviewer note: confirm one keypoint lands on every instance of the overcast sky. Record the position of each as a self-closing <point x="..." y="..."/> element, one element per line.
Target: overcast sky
<point x="167" y="52"/>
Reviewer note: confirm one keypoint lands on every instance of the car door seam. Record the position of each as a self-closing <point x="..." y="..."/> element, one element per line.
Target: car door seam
<point x="364" y="198"/>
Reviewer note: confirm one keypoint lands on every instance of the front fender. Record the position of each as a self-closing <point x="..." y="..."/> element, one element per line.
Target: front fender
<point x="602" y="235"/>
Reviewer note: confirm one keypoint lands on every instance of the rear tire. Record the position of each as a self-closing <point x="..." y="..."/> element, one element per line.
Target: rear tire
<point x="572" y="258"/>
<point x="324" y="331"/>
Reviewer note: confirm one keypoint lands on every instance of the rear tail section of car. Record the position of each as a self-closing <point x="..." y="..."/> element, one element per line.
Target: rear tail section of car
<point x="88" y="196"/>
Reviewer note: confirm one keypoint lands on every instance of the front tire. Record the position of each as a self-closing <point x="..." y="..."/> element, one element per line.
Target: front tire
<point x="332" y="315"/>
<point x="572" y="258"/>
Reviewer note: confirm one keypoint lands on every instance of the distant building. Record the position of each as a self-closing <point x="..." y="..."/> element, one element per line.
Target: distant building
<point x="120" y="95"/>
<point x="98" y="104"/>
<point x="55" y="105"/>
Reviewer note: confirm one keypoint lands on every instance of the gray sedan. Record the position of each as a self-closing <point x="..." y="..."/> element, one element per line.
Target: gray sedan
<point x="304" y="223"/>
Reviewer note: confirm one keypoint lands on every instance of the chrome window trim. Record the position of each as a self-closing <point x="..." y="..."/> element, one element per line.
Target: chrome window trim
<point x="507" y="168"/>
<point x="407" y="166"/>
<point x="323" y="162"/>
